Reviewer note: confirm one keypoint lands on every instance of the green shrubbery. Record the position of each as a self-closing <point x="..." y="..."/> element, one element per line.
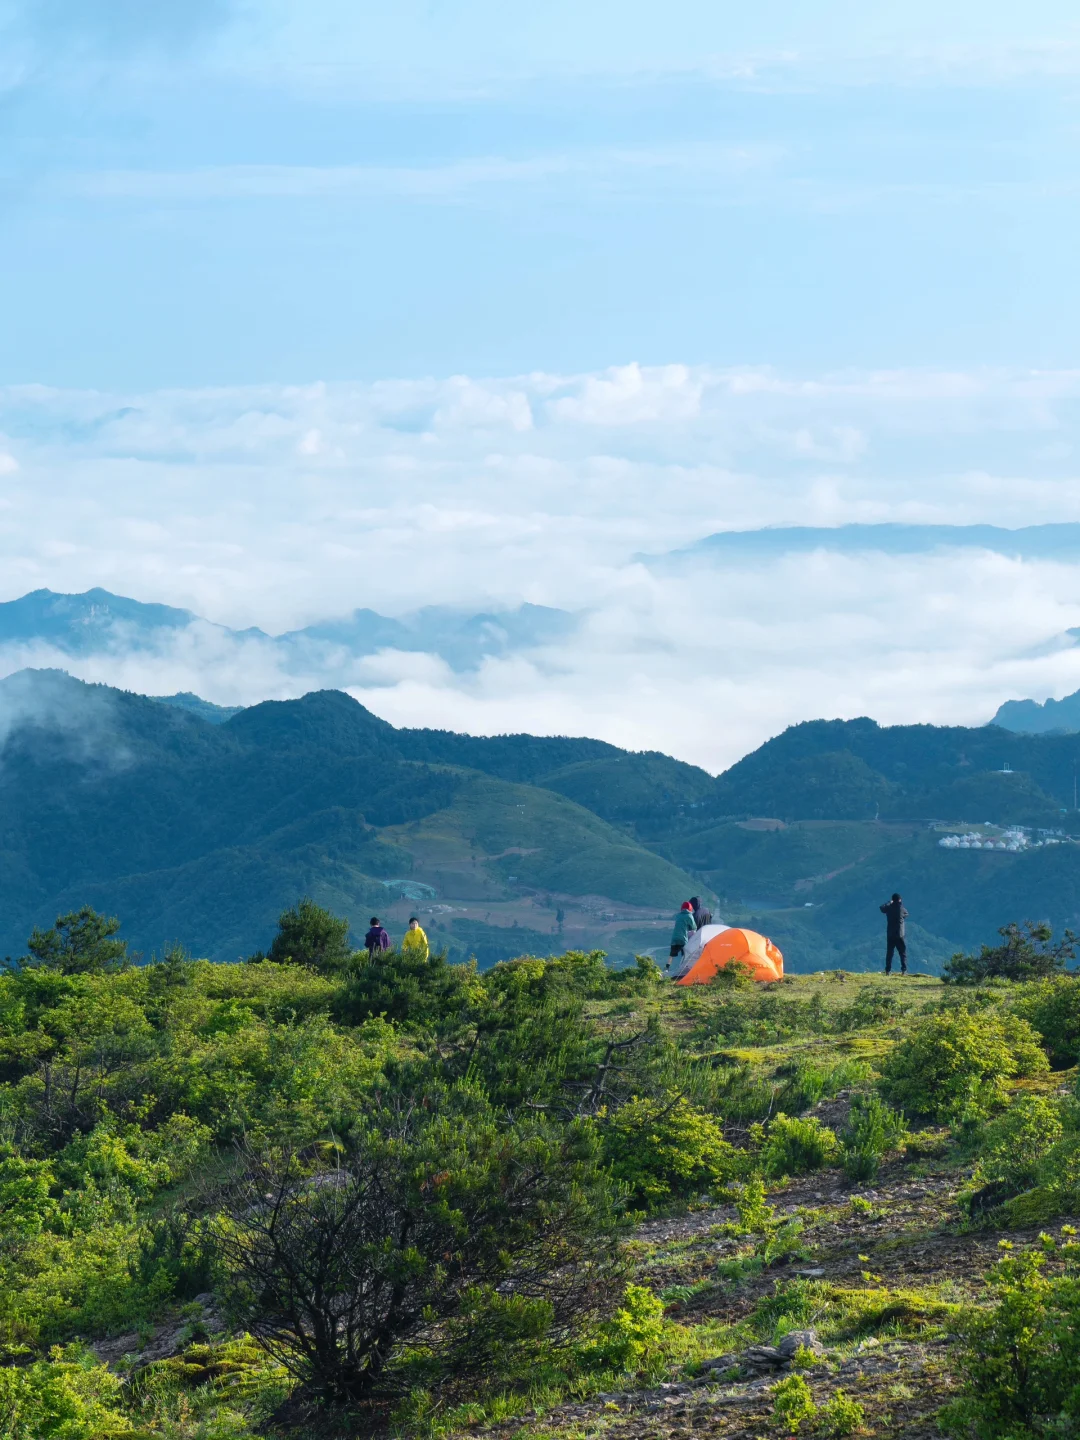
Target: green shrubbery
<point x="450" y="1157"/>
<point x="1021" y="1354"/>
<point x="1053" y="1009"/>
<point x="957" y="1064"/>
<point x="67" y="1397"/>
<point x="666" y="1149"/>
<point x="795" y="1146"/>
<point x="1013" y="1147"/>
<point x="872" y="1130"/>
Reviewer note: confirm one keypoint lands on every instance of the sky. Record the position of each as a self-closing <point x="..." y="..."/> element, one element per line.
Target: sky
<point x="309" y="307"/>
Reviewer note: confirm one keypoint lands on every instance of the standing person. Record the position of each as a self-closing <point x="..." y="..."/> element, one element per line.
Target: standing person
<point x="684" y="928"/>
<point x="376" y="938"/>
<point x="895" y="915"/>
<point x="415" y="944"/>
<point x="702" y="917"/>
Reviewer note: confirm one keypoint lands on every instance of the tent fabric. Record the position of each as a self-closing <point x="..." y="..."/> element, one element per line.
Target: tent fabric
<point x="715" y="946"/>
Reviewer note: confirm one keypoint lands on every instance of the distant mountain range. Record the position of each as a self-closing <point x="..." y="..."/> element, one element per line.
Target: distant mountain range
<point x="1047" y="718"/>
<point x="98" y="622"/>
<point x="1030" y="542"/>
<point x="200" y="828"/>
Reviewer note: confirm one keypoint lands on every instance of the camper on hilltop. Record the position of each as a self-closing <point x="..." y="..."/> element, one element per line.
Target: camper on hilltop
<point x="376" y="938"/>
<point x="702" y="917"/>
<point x="415" y="944"/>
<point x="895" y="915"/>
<point x="684" y="928"/>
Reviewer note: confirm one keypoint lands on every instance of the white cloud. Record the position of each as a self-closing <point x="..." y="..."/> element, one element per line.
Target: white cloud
<point x="279" y="505"/>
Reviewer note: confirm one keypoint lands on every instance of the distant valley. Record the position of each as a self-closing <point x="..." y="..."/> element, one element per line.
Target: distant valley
<point x="197" y="827"/>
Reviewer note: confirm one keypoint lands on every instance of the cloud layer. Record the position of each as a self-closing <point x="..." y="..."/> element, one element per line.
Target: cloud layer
<point x="277" y="506"/>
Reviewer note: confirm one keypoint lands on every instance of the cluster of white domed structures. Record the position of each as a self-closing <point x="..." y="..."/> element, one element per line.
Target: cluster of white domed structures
<point x="1014" y="839"/>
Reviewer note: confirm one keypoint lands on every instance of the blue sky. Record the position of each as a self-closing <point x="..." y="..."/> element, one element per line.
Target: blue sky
<point x="214" y="193"/>
<point x="306" y="307"/>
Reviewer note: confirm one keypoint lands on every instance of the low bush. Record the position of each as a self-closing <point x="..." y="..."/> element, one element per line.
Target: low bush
<point x="1013" y="1146"/>
<point x="795" y="1146"/>
<point x="632" y="1339"/>
<point x="68" y="1397"/>
<point x="1020" y="1355"/>
<point x="792" y="1402"/>
<point x="955" y="1065"/>
<point x="873" y="1129"/>
<point x="1053" y="1008"/>
<point x="664" y="1149"/>
<point x="839" y="1416"/>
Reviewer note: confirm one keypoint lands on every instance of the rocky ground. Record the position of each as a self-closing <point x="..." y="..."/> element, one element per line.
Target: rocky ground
<point x="883" y="1268"/>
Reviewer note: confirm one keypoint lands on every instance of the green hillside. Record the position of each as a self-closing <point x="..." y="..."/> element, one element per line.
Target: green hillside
<point x="331" y="1196"/>
<point x="856" y="769"/>
<point x="201" y="833"/>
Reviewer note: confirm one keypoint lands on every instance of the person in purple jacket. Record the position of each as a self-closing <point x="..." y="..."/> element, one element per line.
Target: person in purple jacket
<point x="376" y="938"/>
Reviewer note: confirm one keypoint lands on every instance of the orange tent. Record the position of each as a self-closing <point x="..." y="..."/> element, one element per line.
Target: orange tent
<point x="714" y="946"/>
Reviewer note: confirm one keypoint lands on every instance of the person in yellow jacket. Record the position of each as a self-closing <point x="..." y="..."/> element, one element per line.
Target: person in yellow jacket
<point x="415" y="945"/>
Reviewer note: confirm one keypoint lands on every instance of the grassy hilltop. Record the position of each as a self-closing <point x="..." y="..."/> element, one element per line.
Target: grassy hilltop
<point x="317" y="1195"/>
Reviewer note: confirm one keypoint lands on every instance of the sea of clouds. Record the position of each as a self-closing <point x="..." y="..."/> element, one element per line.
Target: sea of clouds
<point x="276" y="506"/>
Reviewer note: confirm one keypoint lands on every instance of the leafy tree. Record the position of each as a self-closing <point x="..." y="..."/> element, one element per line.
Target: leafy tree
<point x="80" y="943"/>
<point x="956" y="1064"/>
<point x="309" y="935"/>
<point x="441" y="1236"/>
<point x="1025" y="953"/>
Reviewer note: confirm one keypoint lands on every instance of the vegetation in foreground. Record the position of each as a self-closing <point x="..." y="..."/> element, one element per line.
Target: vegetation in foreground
<point x="321" y="1195"/>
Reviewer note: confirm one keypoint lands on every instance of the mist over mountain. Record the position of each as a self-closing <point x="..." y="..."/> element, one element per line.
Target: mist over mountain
<point x="1029" y="542"/>
<point x="97" y="622"/>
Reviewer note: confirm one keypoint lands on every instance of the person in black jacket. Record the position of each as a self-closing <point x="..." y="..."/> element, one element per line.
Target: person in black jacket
<point x="895" y="915"/>
<point x="702" y="917"/>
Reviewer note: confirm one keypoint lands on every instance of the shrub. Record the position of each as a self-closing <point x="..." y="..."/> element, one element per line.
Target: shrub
<point x="69" y="1397"/>
<point x="631" y="1338"/>
<point x="955" y="1064"/>
<point x="664" y="1149"/>
<point x="1053" y="1008"/>
<point x="1012" y="1147"/>
<point x="873" y="1129"/>
<point x="795" y="1146"/>
<point x="840" y="1416"/>
<point x="1020" y="1356"/>
<point x="405" y="1257"/>
<point x="792" y="1402"/>
<point x="409" y="988"/>
<point x="1025" y="953"/>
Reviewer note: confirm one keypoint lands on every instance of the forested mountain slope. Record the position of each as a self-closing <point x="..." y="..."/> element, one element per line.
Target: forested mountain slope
<point x="202" y="832"/>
